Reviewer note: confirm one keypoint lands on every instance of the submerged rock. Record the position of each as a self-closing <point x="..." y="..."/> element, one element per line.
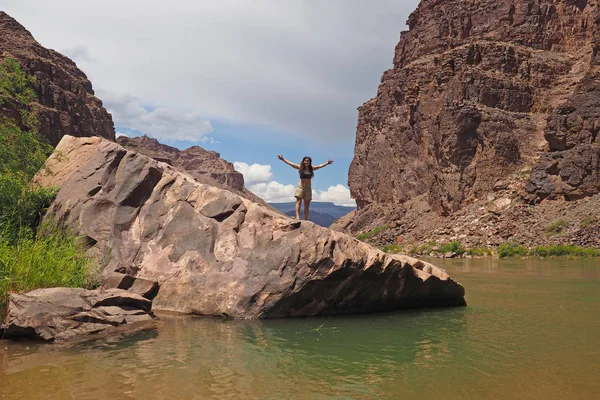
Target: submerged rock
<point x="212" y="252"/>
<point x="72" y="314"/>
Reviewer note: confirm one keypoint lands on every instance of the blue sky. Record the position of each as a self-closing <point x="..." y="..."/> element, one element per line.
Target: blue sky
<point x="248" y="79"/>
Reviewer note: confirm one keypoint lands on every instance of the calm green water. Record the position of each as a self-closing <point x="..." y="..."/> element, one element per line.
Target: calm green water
<point x="531" y="331"/>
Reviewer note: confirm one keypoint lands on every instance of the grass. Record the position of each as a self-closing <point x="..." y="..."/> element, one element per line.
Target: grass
<point x="565" y="250"/>
<point x="588" y="222"/>
<point x="511" y="249"/>
<point x="556" y="227"/>
<point x="508" y="249"/>
<point x="479" y="252"/>
<point x="31" y="255"/>
<point x="433" y="248"/>
<point x="393" y="248"/>
<point x="372" y="232"/>
<point x="53" y="258"/>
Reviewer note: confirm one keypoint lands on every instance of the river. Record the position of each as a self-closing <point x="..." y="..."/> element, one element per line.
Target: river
<point x="531" y="330"/>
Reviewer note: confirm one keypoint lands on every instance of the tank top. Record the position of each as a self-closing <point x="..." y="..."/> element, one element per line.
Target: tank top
<point x="305" y="174"/>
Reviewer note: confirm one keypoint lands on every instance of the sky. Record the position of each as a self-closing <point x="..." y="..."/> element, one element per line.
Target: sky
<point x="249" y="79"/>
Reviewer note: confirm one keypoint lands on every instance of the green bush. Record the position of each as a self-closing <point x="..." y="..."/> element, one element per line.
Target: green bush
<point x="17" y="87"/>
<point x="510" y="249"/>
<point x="454" y="247"/>
<point x="392" y="248"/>
<point x="30" y="257"/>
<point x="21" y="207"/>
<point x="559" y="250"/>
<point x="540" y="251"/>
<point x="426" y="248"/>
<point x="372" y="232"/>
<point x="556" y="227"/>
<point x="479" y="251"/>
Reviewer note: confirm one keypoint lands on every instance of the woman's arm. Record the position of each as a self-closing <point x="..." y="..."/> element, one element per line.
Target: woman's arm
<point x="322" y="165"/>
<point x="291" y="164"/>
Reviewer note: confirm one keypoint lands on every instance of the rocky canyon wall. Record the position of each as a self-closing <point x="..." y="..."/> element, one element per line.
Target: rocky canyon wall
<point x="482" y="93"/>
<point x="67" y="104"/>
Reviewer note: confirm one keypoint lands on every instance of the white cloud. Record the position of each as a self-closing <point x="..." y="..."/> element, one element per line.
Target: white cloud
<point x="259" y="179"/>
<point x="78" y="53"/>
<point x="119" y="134"/>
<point x="254" y="174"/>
<point x="338" y="195"/>
<point x="160" y="123"/>
<point x="274" y="192"/>
<point x="298" y="66"/>
<point x="209" y="140"/>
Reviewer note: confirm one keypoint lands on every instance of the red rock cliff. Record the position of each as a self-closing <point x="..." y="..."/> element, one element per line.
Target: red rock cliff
<point x="204" y="165"/>
<point x="67" y="105"/>
<point x="483" y="91"/>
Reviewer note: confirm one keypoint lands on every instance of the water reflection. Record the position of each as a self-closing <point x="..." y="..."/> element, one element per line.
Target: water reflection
<point x="530" y="331"/>
<point x="210" y="358"/>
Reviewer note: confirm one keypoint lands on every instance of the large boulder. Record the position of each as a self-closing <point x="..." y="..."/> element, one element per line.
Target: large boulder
<point x="215" y="253"/>
<point x="67" y="314"/>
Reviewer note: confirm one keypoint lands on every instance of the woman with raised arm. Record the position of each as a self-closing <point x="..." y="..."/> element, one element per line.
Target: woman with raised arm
<point x="303" y="190"/>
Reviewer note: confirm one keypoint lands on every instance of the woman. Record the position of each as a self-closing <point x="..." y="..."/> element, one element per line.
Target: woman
<point x="303" y="190"/>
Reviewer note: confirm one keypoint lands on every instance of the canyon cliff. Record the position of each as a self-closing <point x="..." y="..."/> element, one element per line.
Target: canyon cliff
<point x="66" y="101"/>
<point x="486" y="128"/>
<point x="204" y="165"/>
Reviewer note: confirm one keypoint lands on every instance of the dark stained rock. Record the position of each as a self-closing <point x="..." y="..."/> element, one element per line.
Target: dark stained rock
<point x="480" y="91"/>
<point x="69" y="314"/>
<point x="215" y="253"/>
<point x="67" y="105"/>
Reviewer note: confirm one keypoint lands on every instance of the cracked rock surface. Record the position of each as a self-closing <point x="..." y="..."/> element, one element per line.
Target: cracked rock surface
<point x="212" y="252"/>
<point x="73" y="314"/>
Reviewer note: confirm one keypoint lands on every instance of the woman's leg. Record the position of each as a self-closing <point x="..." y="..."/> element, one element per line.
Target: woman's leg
<point x="298" y="201"/>
<point x="306" y="207"/>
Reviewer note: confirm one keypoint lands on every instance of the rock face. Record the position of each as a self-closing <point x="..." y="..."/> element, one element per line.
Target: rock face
<point x="212" y="252"/>
<point x="67" y="314"/>
<point x="205" y="166"/>
<point x="482" y="92"/>
<point x="67" y="105"/>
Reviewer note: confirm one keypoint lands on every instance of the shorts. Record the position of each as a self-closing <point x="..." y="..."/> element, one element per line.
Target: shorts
<point x="303" y="192"/>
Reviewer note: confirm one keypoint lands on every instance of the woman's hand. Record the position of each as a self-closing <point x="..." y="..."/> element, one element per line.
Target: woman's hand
<point x="280" y="157"/>
<point x="330" y="161"/>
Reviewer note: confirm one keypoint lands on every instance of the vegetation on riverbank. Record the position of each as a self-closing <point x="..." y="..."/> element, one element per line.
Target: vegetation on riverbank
<point x="508" y="249"/>
<point x="32" y="254"/>
<point x="372" y="232"/>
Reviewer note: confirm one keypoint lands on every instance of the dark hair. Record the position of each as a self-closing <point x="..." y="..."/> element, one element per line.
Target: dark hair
<point x="309" y="168"/>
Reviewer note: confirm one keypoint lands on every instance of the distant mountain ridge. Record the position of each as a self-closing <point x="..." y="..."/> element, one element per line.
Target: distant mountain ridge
<point x="321" y="213"/>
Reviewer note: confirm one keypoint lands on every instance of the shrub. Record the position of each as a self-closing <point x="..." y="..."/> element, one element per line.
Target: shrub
<point x="479" y="251"/>
<point x="392" y="248"/>
<point x="510" y="249"/>
<point x="541" y="251"/>
<point x="17" y="86"/>
<point x="588" y="221"/>
<point x="30" y="257"/>
<point x="454" y="247"/>
<point x="21" y="207"/>
<point x="372" y="232"/>
<point x="556" y="227"/>
<point x="566" y="250"/>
